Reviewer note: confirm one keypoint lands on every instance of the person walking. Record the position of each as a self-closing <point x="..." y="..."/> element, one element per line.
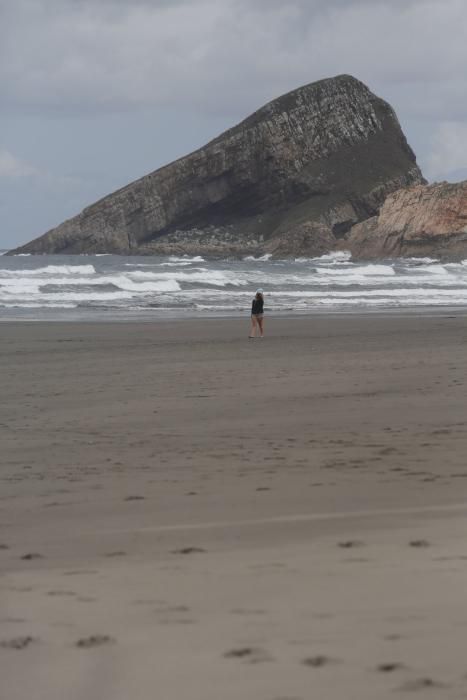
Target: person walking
<point x="257" y="314"/>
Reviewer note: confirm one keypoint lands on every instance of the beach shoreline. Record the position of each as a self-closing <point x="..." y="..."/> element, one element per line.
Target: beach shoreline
<point x="101" y="288"/>
<point x="191" y="514"/>
<point x="182" y="316"/>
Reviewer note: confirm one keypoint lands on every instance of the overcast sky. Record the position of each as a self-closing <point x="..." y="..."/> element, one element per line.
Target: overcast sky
<point x="95" y="93"/>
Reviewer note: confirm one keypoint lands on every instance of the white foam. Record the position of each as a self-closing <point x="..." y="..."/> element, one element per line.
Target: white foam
<point x="28" y="290"/>
<point x="328" y="281"/>
<point x="160" y="285"/>
<point x="176" y="264"/>
<point x="433" y="269"/>
<point x="360" y="271"/>
<point x="186" y="258"/>
<point x="142" y="264"/>
<point x="19" y="286"/>
<point x="38" y="305"/>
<point x="173" y="262"/>
<point x="217" y="278"/>
<point x="125" y="281"/>
<point x="51" y="270"/>
<point x="75" y="296"/>
<point x="339" y="256"/>
<point x="390" y="293"/>
<point x="419" y="261"/>
<point x="262" y="258"/>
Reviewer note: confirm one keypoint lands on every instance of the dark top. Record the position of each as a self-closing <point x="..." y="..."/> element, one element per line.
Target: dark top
<point x="257" y="306"/>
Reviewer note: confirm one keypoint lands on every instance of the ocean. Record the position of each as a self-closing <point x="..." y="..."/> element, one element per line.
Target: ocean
<point x="108" y="287"/>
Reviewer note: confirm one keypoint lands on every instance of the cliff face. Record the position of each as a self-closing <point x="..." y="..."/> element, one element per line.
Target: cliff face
<point x="418" y="221"/>
<point x="325" y="155"/>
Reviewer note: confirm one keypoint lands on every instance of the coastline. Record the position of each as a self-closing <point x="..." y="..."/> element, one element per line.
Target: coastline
<point x="172" y="316"/>
<point x="103" y="288"/>
<point x="213" y="516"/>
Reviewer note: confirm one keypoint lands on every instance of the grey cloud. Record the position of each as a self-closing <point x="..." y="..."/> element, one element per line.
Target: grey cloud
<point x="223" y="54"/>
<point x="221" y="59"/>
<point x="449" y="148"/>
<point x="13" y="168"/>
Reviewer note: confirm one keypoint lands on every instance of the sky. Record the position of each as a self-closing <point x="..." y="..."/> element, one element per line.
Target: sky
<point x="96" y="93"/>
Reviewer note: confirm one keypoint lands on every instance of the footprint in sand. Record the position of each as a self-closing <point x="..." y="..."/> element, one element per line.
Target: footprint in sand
<point x="3" y="547"/>
<point x="419" y="543"/>
<point x="252" y="655"/>
<point x="348" y="544"/>
<point x="188" y="550"/>
<point x="173" y="614"/>
<point x="134" y="498"/>
<point x="115" y="554"/>
<point x="95" y="640"/>
<point x="390" y="667"/>
<point x="422" y="684"/>
<point x="17" y="643"/>
<point x="318" y="661"/>
<point x="31" y="556"/>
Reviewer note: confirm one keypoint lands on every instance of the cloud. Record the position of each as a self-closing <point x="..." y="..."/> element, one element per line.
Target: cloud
<point x="227" y="55"/>
<point x="12" y="168"/>
<point x="173" y="72"/>
<point x="449" y="150"/>
<point x="15" y="169"/>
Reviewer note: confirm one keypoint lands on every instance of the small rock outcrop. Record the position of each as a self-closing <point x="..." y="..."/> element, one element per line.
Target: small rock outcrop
<point x="303" y="169"/>
<point x="418" y="221"/>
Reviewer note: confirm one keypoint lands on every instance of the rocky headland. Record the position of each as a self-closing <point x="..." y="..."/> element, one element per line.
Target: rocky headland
<point x="291" y="179"/>
<point x="424" y="220"/>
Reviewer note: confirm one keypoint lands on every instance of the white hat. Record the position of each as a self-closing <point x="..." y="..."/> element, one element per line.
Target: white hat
<point x="259" y="291"/>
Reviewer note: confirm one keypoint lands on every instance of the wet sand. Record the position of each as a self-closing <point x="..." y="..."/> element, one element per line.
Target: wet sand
<point x="185" y="513"/>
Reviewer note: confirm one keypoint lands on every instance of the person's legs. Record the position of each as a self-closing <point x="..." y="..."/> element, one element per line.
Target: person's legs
<point x="253" y="327"/>
<point x="261" y="325"/>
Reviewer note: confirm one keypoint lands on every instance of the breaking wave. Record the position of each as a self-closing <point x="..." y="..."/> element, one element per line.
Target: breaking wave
<point x="51" y="270"/>
<point x="112" y="284"/>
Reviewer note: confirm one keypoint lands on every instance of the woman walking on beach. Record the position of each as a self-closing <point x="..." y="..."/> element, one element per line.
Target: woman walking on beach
<point x="257" y="314"/>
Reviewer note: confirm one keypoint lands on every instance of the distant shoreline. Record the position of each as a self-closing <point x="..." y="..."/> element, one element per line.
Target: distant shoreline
<point x="161" y="317"/>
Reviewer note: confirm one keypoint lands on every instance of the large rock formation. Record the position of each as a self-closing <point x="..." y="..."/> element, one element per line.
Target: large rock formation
<point x="304" y="168"/>
<point x="417" y="221"/>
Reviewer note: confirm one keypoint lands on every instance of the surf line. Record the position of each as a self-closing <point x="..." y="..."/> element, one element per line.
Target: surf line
<point x="289" y="519"/>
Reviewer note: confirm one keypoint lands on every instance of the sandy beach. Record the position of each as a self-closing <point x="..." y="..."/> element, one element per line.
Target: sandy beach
<point x="189" y="514"/>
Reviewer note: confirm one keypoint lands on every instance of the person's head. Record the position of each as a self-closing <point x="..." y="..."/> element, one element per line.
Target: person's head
<point x="259" y="293"/>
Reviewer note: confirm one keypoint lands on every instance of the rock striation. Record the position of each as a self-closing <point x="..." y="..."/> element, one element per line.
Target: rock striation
<point x="292" y="178"/>
<point x="418" y="221"/>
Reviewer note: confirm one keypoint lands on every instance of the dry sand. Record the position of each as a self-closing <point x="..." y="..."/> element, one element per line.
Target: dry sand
<point x="187" y="514"/>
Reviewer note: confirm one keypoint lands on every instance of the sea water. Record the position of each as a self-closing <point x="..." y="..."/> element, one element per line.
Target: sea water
<point x="114" y="287"/>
